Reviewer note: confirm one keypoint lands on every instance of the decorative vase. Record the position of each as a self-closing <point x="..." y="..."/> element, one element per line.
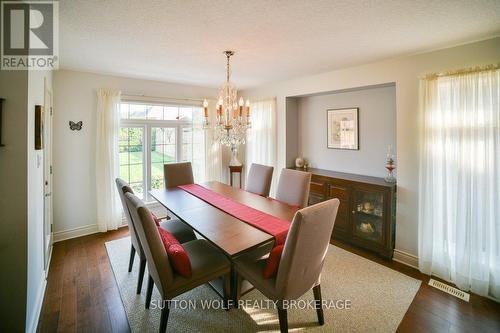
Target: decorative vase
<point x="299" y="162"/>
<point x="390" y="166"/>
<point x="234" y="156"/>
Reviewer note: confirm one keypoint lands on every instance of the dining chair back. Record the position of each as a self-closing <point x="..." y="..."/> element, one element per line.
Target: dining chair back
<point x="176" y="174"/>
<point x="303" y="256"/>
<point x="123" y="187"/>
<point x="293" y="187"/>
<point x="259" y="179"/>
<point x="207" y="262"/>
<point x="156" y="256"/>
<point x="305" y="249"/>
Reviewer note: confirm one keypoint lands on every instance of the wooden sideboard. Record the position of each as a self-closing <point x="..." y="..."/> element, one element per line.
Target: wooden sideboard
<point x="367" y="212"/>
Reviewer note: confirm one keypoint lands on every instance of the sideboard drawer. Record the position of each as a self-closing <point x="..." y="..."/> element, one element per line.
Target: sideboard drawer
<point x="317" y="188"/>
<point x="341" y="193"/>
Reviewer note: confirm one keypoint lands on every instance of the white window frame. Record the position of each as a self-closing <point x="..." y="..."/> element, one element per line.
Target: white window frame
<point x="147" y="125"/>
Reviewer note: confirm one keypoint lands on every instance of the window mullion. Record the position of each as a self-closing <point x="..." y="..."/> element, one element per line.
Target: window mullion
<point x="178" y="145"/>
<point x="147" y="160"/>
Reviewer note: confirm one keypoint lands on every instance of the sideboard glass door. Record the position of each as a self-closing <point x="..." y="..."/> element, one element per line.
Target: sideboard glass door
<point x="368" y="215"/>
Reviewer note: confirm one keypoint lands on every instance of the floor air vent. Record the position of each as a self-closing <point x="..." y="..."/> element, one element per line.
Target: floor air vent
<point x="449" y="289"/>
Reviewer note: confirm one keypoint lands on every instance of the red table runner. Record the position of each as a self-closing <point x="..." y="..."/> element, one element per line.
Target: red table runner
<point x="263" y="221"/>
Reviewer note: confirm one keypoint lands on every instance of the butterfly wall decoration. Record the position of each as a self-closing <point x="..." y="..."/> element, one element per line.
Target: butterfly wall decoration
<point x="75" y="126"/>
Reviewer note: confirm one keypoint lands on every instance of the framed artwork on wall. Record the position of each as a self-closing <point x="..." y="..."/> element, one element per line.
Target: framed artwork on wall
<point x="343" y="128"/>
<point x="38" y="127"/>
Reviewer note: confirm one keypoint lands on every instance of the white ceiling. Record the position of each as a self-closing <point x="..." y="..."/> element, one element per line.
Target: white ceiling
<point x="182" y="41"/>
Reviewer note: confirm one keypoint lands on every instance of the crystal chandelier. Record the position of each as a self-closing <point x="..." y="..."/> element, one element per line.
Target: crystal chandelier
<point x="231" y="122"/>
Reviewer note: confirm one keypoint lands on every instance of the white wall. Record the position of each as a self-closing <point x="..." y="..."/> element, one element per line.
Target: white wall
<point x="404" y="72"/>
<point x="13" y="200"/>
<point x="377" y="130"/>
<point x="74" y="151"/>
<point x="36" y="269"/>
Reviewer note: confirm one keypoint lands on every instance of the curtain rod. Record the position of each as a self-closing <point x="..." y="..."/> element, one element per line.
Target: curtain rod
<point x="476" y="69"/>
<point x="143" y="96"/>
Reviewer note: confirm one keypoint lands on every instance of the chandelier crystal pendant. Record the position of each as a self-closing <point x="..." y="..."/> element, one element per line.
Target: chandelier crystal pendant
<point x="231" y="122"/>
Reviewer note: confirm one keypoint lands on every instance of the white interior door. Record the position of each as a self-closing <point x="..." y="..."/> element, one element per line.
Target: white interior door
<point x="47" y="171"/>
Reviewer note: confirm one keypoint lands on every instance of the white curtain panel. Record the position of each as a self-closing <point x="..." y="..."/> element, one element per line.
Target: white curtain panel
<point x="107" y="163"/>
<point x="213" y="149"/>
<point x="261" y="138"/>
<point x="459" y="197"/>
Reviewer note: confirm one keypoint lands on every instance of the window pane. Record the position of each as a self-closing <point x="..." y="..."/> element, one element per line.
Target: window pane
<point x="123" y="138"/>
<point x="135" y="173"/>
<point x="157" y="153"/>
<point x="187" y="135"/>
<point x="198" y="116"/>
<point x="124" y="157"/>
<point x="170" y="136"/>
<point x="155" y="112"/>
<point x="171" y="113"/>
<point x="138" y="111"/>
<point x="135" y="136"/>
<point x="132" y="157"/>
<point x="163" y="150"/>
<point x="124" y="173"/>
<point x="187" y="152"/>
<point x="138" y="189"/>
<point x="124" y="110"/>
<point x="187" y="147"/>
<point x="169" y="155"/>
<point x="136" y="156"/>
<point x="157" y="136"/>
<point x="185" y="113"/>
<point x="157" y="175"/>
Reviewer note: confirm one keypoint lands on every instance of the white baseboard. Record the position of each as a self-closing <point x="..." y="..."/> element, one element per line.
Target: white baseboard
<point x="405" y="258"/>
<point x="33" y="325"/>
<point x="75" y="232"/>
<point x="79" y="232"/>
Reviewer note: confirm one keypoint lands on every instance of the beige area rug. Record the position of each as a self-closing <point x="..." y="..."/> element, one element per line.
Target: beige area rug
<point x="378" y="297"/>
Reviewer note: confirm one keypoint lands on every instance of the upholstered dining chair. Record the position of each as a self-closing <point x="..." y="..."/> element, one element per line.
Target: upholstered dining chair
<point x="259" y="179"/>
<point x="207" y="262"/>
<point x="301" y="261"/>
<point x="176" y="174"/>
<point x="179" y="229"/>
<point x="293" y="187"/>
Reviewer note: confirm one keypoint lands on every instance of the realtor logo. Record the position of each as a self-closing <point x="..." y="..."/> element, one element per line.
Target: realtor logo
<point x="29" y="35"/>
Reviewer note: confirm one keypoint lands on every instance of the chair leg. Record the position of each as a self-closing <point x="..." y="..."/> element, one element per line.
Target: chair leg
<point x="319" y="307"/>
<point x="142" y="268"/>
<point x="149" y="291"/>
<point x="164" y="317"/>
<point x="283" y="318"/>
<point x="132" y="256"/>
<point x="227" y="290"/>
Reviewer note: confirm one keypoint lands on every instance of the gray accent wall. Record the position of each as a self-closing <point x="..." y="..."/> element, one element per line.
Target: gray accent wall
<point x="377" y="129"/>
<point x="14" y="200"/>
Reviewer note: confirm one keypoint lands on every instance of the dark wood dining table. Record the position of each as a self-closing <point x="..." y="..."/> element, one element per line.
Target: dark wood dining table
<point x="231" y="235"/>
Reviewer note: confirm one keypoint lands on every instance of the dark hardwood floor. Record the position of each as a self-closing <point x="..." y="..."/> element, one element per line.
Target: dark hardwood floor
<point x="82" y="295"/>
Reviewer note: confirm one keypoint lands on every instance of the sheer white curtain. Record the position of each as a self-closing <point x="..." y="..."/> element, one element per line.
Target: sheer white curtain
<point x="107" y="164"/>
<point x="261" y="138"/>
<point x="459" y="198"/>
<point x="213" y="149"/>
